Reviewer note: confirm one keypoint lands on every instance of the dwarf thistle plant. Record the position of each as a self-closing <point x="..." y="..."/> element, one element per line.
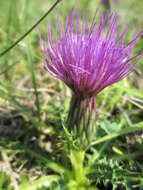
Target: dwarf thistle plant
<point x="87" y="58"/>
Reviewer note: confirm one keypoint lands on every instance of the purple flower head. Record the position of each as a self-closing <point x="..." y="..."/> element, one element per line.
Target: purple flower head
<point x="86" y="58"/>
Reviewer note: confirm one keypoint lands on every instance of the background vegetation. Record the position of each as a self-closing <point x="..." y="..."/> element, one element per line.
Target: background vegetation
<point x="33" y="106"/>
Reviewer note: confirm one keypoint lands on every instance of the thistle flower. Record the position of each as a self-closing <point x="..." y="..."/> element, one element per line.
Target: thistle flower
<point x="87" y="59"/>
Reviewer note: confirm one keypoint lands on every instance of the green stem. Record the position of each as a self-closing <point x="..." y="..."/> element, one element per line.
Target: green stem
<point x="77" y="159"/>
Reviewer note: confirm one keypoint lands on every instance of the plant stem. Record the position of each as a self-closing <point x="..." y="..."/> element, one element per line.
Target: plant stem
<point x="81" y="119"/>
<point x="77" y="159"/>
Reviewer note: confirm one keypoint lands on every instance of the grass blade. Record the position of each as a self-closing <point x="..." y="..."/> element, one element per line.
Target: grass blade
<point x="31" y="67"/>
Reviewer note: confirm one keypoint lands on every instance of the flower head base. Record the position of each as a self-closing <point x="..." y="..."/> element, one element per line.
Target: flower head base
<point x="88" y="59"/>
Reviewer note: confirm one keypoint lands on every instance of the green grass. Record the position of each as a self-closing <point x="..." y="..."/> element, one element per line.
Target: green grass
<point x="33" y="107"/>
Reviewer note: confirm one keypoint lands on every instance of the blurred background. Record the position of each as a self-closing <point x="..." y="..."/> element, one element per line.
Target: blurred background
<point x="32" y="104"/>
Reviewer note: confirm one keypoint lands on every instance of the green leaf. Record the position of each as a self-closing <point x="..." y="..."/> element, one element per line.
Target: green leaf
<point x="5" y="183"/>
<point x="135" y="92"/>
<point x="56" y="167"/>
<point x="134" y="128"/>
<point x="109" y="127"/>
<point x="42" y="181"/>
